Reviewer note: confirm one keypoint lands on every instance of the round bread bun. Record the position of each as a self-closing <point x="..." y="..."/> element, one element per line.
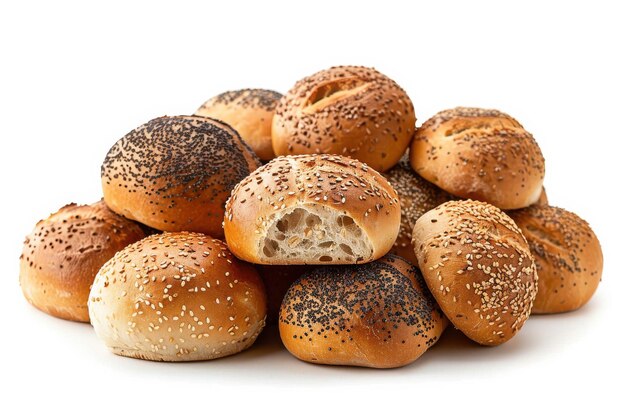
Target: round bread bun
<point x="175" y="173"/>
<point x="352" y="111"/>
<point x="249" y="112"/>
<point x="478" y="267"/>
<point x="177" y="297"/>
<point x="480" y="154"/>
<point x="277" y="280"/>
<point x="64" y="252"/>
<point x="378" y="315"/>
<point x="312" y="209"/>
<point x="417" y="196"/>
<point x="567" y="254"/>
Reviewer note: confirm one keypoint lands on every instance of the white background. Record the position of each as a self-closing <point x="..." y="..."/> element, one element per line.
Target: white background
<point x="75" y="77"/>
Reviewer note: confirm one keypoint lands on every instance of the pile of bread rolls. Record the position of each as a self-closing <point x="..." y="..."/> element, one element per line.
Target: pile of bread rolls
<point x="325" y="211"/>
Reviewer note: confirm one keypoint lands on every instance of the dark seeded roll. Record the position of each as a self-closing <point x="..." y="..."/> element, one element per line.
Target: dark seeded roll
<point x="249" y="112"/>
<point x="567" y="254"/>
<point x="176" y="173"/>
<point x="64" y="252"/>
<point x="377" y="315"/>
<point x="417" y="196"/>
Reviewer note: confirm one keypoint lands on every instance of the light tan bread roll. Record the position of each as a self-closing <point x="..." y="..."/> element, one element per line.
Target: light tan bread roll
<point x="177" y="297"/>
<point x="351" y="111"/>
<point x="64" y="252"/>
<point x="377" y="315"/>
<point x="567" y="254"/>
<point x="479" y="154"/>
<point x="312" y="209"/>
<point x="478" y="267"/>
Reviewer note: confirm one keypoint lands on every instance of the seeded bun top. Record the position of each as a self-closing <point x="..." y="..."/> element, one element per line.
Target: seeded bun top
<point x="480" y="154"/>
<point x="175" y="173"/>
<point x="351" y="111"/>
<point x="64" y="252"/>
<point x="478" y="267"/>
<point x="249" y="112"/>
<point x="567" y="254"/>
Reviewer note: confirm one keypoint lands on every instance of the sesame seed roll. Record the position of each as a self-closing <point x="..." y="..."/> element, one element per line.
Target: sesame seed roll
<point x="175" y="173"/>
<point x="249" y="112"/>
<point x="377" y="315"/>
<point x="312" y="209"/>
<point x="64" y="252"/>
<point x="567" y="254"/>
<point x="478" y="267"/>
<point x="177" y="297"/>
<point x="352" y="111"/>
<point x="480" y="154"/>
<point x="417" y="196"/>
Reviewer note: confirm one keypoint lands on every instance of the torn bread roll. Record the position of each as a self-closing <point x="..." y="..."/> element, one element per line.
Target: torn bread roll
<point x="312" y="209"/>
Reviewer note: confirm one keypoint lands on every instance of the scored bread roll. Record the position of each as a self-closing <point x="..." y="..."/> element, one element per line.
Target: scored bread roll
<point x="249" y="112"/>
<point x="478" y="267"/>
<point x="175" y="173"/>
<point x="64" y="252"/>
<point x="567" y="254"/>
<point x="351" y="111"/>
<point x="312" y="209"/>
<point x="377" y="315"/>
<point x="277" y="280"/>
<point x="417" y="196"/>
<point x="177" y="297"/>
<point x="479" y="154"/>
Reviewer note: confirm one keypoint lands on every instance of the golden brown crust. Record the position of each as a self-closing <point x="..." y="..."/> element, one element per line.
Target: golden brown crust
<point x="567" y="254"/>
<point x="343" y="186"/>
<point x="175" y="173"/>
<point x="377" y="315"/>
<point x="352" y="111"/>
<point x="177" y="297"/>
<point x="479" y="268"/>
<point x="64" y="252"/>
<point x="479" y="154"/>
<point x="417" y="196"/>
<point x="249" y="112"/>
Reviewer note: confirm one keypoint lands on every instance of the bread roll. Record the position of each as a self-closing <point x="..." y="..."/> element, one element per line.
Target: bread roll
<point x="378" y="315"/>
<point x="249" y="112"/>
<point x="567" y="254"/>
<point x="175" y="173"/>
<point x="478" y="267"/>
<point x="480" y="154"/>
<point x="312" y="209"/>
<point x="64" y="252"/>
<point x="177" y="297"/>
<point x="351" y="111"/>
<point x="277" y="280"/>
<point x="417" y="196"/>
